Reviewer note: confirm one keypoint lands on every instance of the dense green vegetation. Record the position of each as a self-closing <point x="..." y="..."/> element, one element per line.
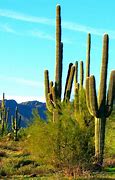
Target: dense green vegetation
<point x="54" y="150"/>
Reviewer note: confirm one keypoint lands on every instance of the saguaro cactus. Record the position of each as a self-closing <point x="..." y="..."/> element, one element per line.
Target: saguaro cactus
<point x="4" y="112"/>
<point x="100" y="107"/>
<point x="16" y="124"/>
<point x="59" y="51"/>
<point x="53" y="91"/>
<point x="78" y="87"/>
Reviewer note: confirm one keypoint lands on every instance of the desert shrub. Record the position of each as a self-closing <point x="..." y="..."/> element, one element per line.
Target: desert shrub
<point x="64" y="143"/>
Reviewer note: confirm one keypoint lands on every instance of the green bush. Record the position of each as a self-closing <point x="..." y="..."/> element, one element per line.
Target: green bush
<point x="64" y="143"/>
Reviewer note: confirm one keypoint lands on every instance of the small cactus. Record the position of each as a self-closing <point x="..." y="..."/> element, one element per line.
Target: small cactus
<point x="16" y="120"/>
<point x="4" y="113"/>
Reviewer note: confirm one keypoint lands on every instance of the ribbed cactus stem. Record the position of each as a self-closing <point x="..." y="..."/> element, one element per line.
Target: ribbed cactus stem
<point x="103" y="78"/>
<point x="88" y="95"/>
<point x="4" y="116"/>
<point x="88" y="55"/>
<point x="93" y="96"/>
<point x="81" y="73"/>
<point x="76" y="73"/>
<point x="69" y="84"/>
<point x="110" y="94"/>
<point x="46" y="83"/>
<point x="58" y="71"/>
<point x="16" y="120"/>
<point x="3" y="101"/>
<point x="54" y="95"/>
<point x="67" y="79"/>
<point x="50" y="86"/>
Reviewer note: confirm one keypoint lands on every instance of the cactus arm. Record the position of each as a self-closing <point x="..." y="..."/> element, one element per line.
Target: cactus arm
<point x="76" y="99"/>
<point x="81" y="74"/>
<point x="76" y="88"/>
<point x="110" y="94"/>
<point x="50" y="86"/>
<point x="60" y="70"/>
<point x="88" y="95"/>
<point x="54" y="95"/>
<point x="67" y="79"/>
<point x="19" y="122"/>
<point x="93" y="96"/>
<point x="46" y="83"/>
<point x="12" y="121"/>
<point x="103" y="78"/>
<point x="76" y="72"/>
<point x="88" y="55"/>
<point x="3" y="102"/>
<point x="69" y="83"/>
<point x="7" y="114"/>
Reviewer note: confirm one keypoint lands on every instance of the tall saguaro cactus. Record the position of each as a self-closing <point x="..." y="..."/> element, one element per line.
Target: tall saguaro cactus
<point x="53" y="91"/>
<point x="100" y="107"/>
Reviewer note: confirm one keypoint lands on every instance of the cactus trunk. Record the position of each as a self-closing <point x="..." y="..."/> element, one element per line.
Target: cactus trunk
<point x="99" y="139"/>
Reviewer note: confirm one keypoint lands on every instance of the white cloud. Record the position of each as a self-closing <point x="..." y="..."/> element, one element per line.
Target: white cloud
<point x="42" y="35"/>
<point x="7" y="28"/>
<point x="47" y="21"/>
<point x="26" y="18"/>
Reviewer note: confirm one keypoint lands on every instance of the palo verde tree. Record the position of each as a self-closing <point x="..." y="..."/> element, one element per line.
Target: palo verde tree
<point x="100" y="107"/>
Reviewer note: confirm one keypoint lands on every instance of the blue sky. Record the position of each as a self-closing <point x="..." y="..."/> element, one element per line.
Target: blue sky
<point x="27" y="41"/>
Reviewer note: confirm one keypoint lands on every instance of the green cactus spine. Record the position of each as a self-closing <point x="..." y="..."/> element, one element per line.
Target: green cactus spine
<point x="100" y="107"/>
<point x="16" y="120"/>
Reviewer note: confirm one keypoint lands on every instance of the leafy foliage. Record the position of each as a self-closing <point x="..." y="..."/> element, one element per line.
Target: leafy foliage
<point x="64" y="143"/>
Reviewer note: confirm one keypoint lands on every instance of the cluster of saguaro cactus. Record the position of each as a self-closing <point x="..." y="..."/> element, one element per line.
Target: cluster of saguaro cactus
<point x="4" y="112"/>
<point x="100" y="107"/>
<point x="16" y="120"/>
<point x="79" y="89"/>
<point x="53" y="91"/>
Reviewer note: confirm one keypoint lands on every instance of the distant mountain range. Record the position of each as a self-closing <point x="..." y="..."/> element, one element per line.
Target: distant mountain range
<point x="25" y="110"/>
